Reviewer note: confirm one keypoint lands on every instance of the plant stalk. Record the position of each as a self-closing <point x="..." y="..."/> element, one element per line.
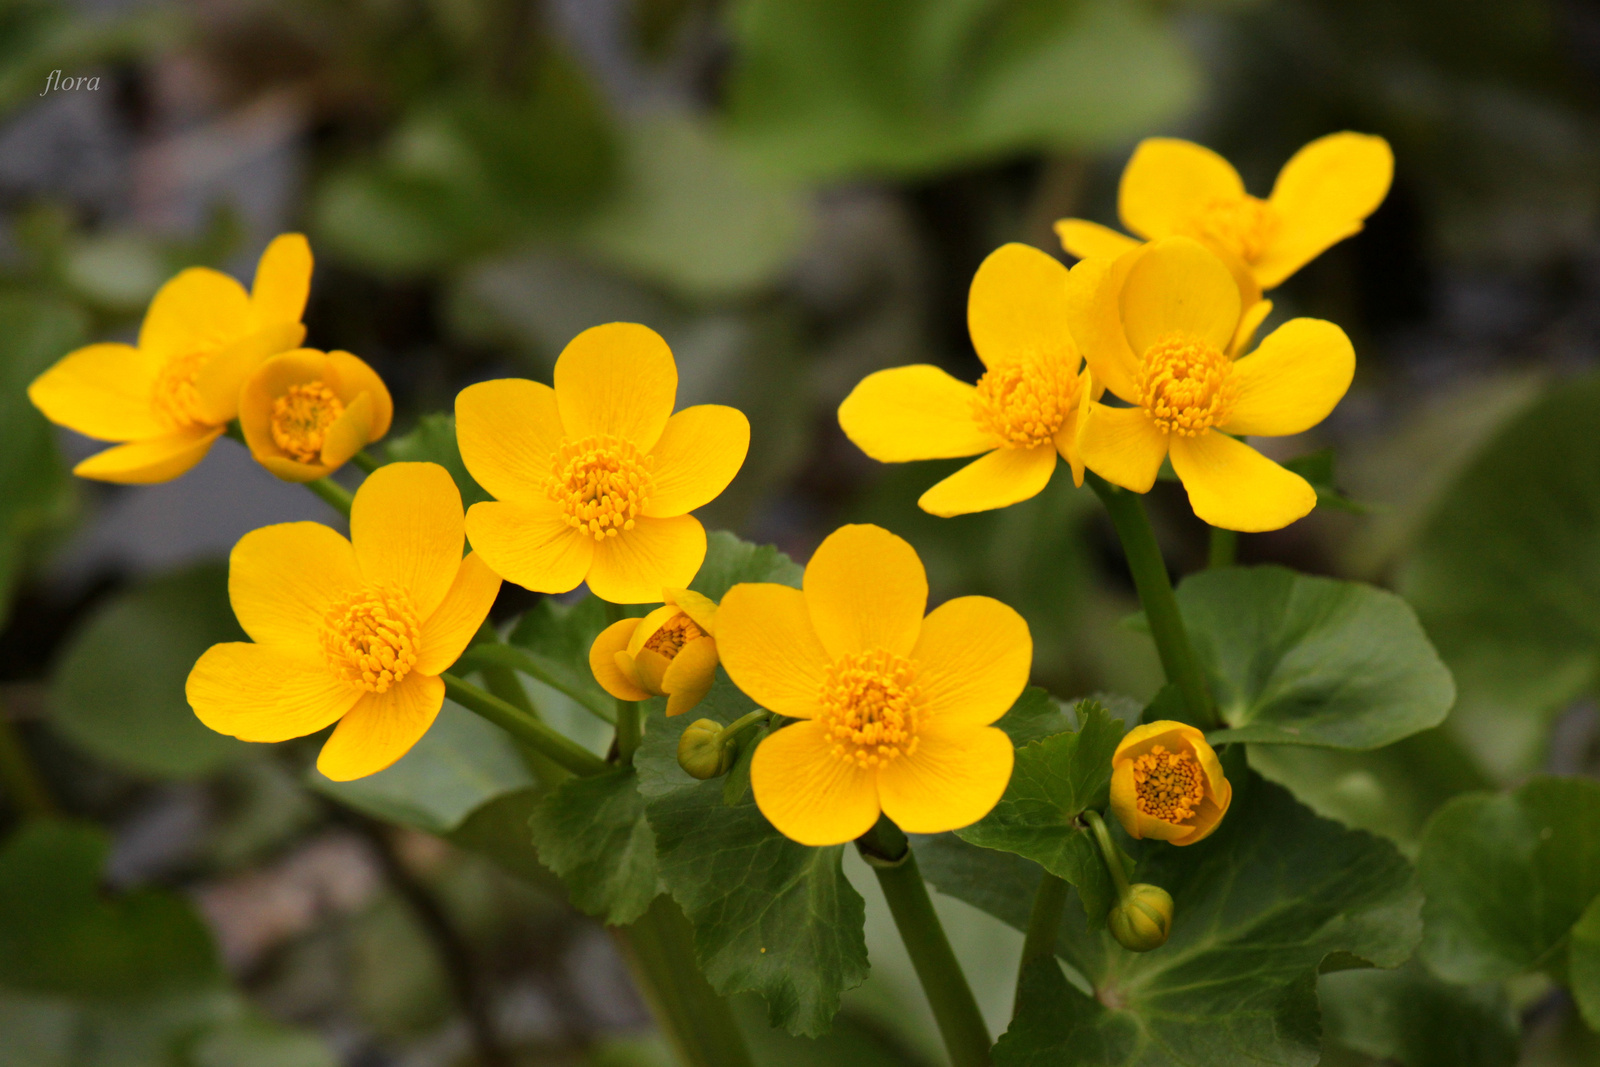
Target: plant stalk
<point x="1224" y="548"/>
<point x="366" y="461"/>
<point x="334" y="494"/>
<point x="523" y="726"/>
<point x="503" y="682"/>
<point x="1044" y="924"/>
<point x="22" y="781"/>
<point x="1108" y="852"/>
<point x="629" y="727"/>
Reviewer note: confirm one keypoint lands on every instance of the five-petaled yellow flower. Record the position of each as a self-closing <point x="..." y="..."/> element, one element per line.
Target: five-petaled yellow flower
<point x="305" y="413"/>
<point x="174" y="394"/>
<point x="594" y="479"/>
<point x="1167" y="784"/>
<point x="353" y="631"/>
<point x="671" y="652"/>
<point x="1176" y="188"/>
<point x="895" y="708"/>
<point x="1156" y="325"/>
<point x="1023" y="412"/>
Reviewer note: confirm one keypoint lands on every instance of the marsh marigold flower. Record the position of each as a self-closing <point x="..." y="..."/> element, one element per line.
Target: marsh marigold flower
<point x="1176" y="188"/>
<point x="305" y="413"/>
<point x="1021" y="415"/>
<point x="895" y="708"/>
<point x="171" y="396"/>
<point x="1167" y="784"/>
<point x="594" y="479"/>
<point x="671" y="652"/>
<point x="1156" y="325"/>
<point x="355" y="632"/>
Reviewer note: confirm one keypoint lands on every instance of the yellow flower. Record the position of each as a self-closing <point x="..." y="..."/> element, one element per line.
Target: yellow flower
<point x="594" y="480"/>
<point x="171" y="396"/>
<point x="1167" y="784"/>
<point x="894" y="707"/>
<point x="305" y="413"/>
<point x="671" y="652"/>
<point x="1155" y="325"/>
<point x="353" y="631"/>
<point x="1023" y="412"/>
<point x="1176" y="188"/>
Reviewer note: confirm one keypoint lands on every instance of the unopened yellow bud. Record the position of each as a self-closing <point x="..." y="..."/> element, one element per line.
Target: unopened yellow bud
<point x="1143" y="919"/>
<point x="701" y="750"/>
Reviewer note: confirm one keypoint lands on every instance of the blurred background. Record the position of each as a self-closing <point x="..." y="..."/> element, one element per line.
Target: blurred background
<point x="794" y="193"/>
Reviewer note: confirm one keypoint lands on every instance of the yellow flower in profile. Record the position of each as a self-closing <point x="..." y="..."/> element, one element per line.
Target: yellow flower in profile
<point x="1176" y="188"/>
<point x="305" y="413"/>
<point x="173" y="395"/>
<point x="594" y="479"/>
<point x="1023" y="412"/>
<point x="1156" y="324"/>
<point x="671" y="652"/>
<point x="894" y="708"/>
<point x="1167" y="784"/>
<point x="355" y="632"/>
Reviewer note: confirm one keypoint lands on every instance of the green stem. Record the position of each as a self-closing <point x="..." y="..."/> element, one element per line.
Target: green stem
<point x="629" y="727"/>
<point x="366" y="461"/>
<point x="1044" y="924"/>
<point x="504" y="683"/>
<point x="1108" y="852"/>
<point x="523" y="726"/>
<point x="966" y="1036"/>
<point x="336" y="495"/>
<point x="21" y="780"/>
<point x="486" y="655"/>
<point x="1224" y="548"/>
<point x="738" y="726"/>
<point x="1150" y="577"/>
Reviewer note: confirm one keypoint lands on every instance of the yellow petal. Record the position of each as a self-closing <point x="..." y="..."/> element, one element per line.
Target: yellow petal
<point x="1233" y="486"/>
<point x="865" y="589"/>
<point x="453" y="624"/>
<point x="292" y="470"/>
<point x="1084" y="239"/>
<point x="406" y="525"/>
<point x="702" y="609"/>
<point x="1017" y="308"/>
<point x="769" y="648"/>
<point x="349" y="433"/>
<point x="617" y="379"/>
<point x="381" y="728"/>
<point x="158" y="459"/>
<point x="102" y="391"/>
<point x="256" y="693"/>
<point x="1323" y="194"/>
<point x="1208" y="816"/>
<point x="1067" y="438"/>
<point x="283" y="579"/>
<point x="218" y="382"/>
<point x="632" y="567"/>
<point x="1249" y="323"/>
<point x="530" y="544"/>
<point x="808" y="793"/>
<point x="1123" y="446"/>
<point x="355" y="378"/>
<point x="200" y="310"/>
<point x="1293" y="381"/>
<point x="509" y="430"/>
<point x="690" y="675"/>
<point x="1169" y="733"/>
<point x="261" y="388"/>
<point x="1169" y="182"/>
<point x="283" y="282"/>
<point x="648" y="627"/>
<point x="1095" y="312"/>
<point x="910" y="413"/>
<point x="603" y="661"/>
<point x="953" y="779"/>
<point x="698" y="454"/>
<point x="1000" y="479"/>
<point x="1177" y="286"/>
<point x="973" y="660"/>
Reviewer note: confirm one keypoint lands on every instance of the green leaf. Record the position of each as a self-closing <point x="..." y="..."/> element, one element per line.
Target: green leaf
<point x="1317" y="468"/>
<point x="1507" y="877"/>
<point x="1035" y="716"/>
<point x="593" y="833"/>
<point x="1583" y="963"/>
<point x="433" y="440"/>
<point x="1312" y="661"/>
<point x="118" y="689"/>
<point x="557" y="637"/>
<point x="499" y="830"/>
<point x="59" y="934"/>
<point x="730" y="560"/>
<point x="1409" y="1017"/>
<point x="1055" y="780"/>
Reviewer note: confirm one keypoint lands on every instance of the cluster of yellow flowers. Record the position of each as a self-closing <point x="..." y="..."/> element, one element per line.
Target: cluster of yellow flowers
<point x="594" y="480"/>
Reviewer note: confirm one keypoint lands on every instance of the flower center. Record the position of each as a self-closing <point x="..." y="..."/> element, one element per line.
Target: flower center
<point x="1242" y="225"/>
<point x="1025" y="403"/>
<point x="371" y="637"/>
<point x="871" y="707"/>
<point x="673" y="635"/>
<point x="175" y="398"/>
<point x="1168" y="785"/>
<point x="601" y="482"/>
<point x="1186" y="386"/>
<point x="301" y="417"/>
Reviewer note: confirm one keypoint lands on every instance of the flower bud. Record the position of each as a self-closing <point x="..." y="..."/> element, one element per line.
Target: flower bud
<point x="1143" y="919"/>
<point x="701" y="751"/>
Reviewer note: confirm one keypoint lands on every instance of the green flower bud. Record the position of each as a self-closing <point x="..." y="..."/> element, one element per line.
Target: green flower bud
<point x="702" y="751"/>
<point x="1144" y="918"/>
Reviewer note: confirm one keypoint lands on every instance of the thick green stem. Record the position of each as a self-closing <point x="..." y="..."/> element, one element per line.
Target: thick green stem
<point x="1150" y="577"/>
<point x="1108" y="852"/>
<point x="485" y="656"/>
<point x="336" y="495"/>
<point x="1224" y="548"/>
<point x="22" y="781"/>
<point x="1044" y="924"/>
<point x="366" y="461"/>
<point x="523" y="726"/>
<point x="698" y="1024"/>
<point x="966" y="1036"/>
<point x="629" y="727"/>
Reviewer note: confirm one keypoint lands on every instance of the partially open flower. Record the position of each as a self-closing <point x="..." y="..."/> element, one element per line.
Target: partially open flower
<point x="305" y="413"/>
<point x="671" y="652"/>
<point x="1167" y="783"/>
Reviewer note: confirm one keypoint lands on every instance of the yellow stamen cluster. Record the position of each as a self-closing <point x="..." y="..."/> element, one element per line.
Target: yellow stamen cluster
<point x="602" y="483"/>
<point x="1025" y="403"/>
<point x="673" y="635"/>
<point x="1168" y="785"/>
<point x="371" y="637"/>
<point x="1186" y="385"/>
<point x="175" y="398"/>
<point x="871" y="707"/>
<point x="301" y="417"/>
<point x="1242" y="225"/>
